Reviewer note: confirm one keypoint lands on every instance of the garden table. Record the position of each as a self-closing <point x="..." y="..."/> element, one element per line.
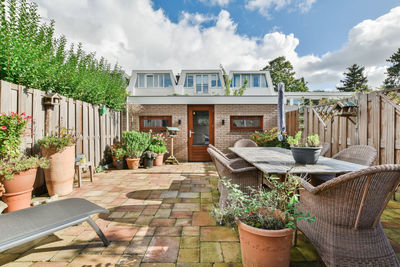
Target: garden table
<point x="276" y="160"/>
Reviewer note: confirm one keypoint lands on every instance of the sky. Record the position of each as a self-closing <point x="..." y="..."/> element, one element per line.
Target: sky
<point x="321" y="38"/>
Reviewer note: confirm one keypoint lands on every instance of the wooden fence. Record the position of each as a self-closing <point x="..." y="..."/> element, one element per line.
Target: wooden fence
<point x="377" y="124"/>
<point x="95" y="132"/>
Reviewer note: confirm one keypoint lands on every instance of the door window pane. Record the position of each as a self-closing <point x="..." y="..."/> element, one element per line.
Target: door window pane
<point x="150" y="81"/>
<point x="213" y="80"/>
<point x="256" y="80"/>
<point x="263" y="81"/>
<point x="198" y="83"/>
<point x="201" y="128"/>
<point x="205" y="84"/>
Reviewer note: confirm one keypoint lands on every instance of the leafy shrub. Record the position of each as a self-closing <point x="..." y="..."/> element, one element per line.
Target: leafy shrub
<point x="9" y="167"/>
<point x="158" y="144"/>
<point x="135" y="143"/>
<point x="59" y="140"/>
<point x="299" y="141"/>
<point x="269" y="138"/>
<point x="12" y="128"/>
<point x="265" y="209"/>
<point x="30" y="55"/>
<point x="118" y="153"/>
<point x="149" y="154"/>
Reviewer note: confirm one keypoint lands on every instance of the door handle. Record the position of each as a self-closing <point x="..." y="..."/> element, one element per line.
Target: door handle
<point x="190" y="133"/>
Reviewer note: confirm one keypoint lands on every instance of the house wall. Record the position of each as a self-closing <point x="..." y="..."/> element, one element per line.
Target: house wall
<point x="224" y="138"/>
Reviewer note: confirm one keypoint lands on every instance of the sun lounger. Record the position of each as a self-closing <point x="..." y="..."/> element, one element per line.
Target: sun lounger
<point x="25" y="225"/>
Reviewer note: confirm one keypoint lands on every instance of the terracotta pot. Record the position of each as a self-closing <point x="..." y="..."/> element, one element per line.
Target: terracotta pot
<point x="133" y="164"/>
<point x="158" y="161"/>
<point x="265" y="248"/>
<point x="19" y="190"/>
<point x="60" y="176"/>
<point x="17" y="201"/>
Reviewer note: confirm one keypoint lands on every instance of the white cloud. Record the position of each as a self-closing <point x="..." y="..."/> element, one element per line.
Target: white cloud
<point x="140" y="37"/>
<point x="265" y="6"/>
<point x="216" y="2"/>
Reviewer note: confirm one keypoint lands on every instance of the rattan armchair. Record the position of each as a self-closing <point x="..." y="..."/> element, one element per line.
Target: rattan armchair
<point x="245" y="143"/>
<point x="347" y="230"/>
<point x="360" y="154"/>
<point x="237" y="171"/>
<point x="228" y="156"/>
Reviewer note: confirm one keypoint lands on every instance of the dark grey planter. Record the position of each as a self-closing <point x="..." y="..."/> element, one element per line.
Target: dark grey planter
<point x="120" y="164"/>
<point x="306" y="155"/>
<point x="148" y="163"/>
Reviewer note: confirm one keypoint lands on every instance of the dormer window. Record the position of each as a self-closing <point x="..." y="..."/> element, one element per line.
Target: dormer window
<point x="153" y="80"/>
<point x="254" y="80"/>
<point x="189" y="81"/>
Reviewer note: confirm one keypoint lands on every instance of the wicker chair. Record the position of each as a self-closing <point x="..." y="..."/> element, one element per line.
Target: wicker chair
<point x="245" y="143"/>
<point x="325" y="148"/>
<point x="347" y="230"/>
<point x="228" y="156"/>
<point x="363" y="155"/>
<point x="237" y="171"/>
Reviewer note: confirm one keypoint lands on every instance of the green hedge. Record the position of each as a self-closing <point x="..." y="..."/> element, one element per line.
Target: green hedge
<point x="30" y="55"/>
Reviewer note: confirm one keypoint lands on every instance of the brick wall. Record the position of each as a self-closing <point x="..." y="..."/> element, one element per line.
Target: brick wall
<point x="224" y="138"/>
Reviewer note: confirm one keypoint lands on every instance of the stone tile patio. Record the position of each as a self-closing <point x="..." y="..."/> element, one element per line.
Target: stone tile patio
<point x="159" y="217"/>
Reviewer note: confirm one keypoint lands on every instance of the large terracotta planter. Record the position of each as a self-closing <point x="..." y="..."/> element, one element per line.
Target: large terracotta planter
<point x="265" y="248"/>
<point x="19" y="190"/>
<point x="158" y="161"/>
<point x="60" y="175"/>
<point x="133" y="164"/>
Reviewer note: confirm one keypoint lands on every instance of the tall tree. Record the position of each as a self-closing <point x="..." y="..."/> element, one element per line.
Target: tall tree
<point x="354" y="80"/>
<point x="393" y="72"/>
<point x="281" y="70"/>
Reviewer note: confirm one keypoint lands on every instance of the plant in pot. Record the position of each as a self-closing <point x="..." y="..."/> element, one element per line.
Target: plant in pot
<point x="119" y="155"/>
<point x="135" y="143"/>
<point x="158" y="146"/>
<point x="113" y="149"/>
<point x="59" y="149"/>
<point x="305" y="150"/>
<point x="266" y="221"/>
<point x="17" y="174"/>
<point x="148" y="159"/>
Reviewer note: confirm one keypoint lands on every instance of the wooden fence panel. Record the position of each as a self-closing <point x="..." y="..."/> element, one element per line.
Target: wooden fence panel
<point x="94" y="131"/>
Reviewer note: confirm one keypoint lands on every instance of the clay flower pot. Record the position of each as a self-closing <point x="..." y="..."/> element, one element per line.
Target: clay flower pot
<point x="158" y="161"/>
<point x="19" y="190"/>
<point x="133" y="164"/>
<point x="266" y="248"/>
<point x="60" y="175"/>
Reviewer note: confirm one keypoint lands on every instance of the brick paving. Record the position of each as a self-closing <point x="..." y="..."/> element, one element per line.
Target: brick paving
<point x="159" y="217"/>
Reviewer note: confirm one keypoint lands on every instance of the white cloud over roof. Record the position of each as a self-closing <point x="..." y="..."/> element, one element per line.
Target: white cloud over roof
<point x="140" y="37"/>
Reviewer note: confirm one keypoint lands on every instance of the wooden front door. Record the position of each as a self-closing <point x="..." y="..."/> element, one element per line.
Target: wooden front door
<point x="200" y="131"/>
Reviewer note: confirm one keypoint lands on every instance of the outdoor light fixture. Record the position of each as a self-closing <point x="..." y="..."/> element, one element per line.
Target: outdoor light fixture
<point x="223" y="122"/>
<point x="179" y="121"/>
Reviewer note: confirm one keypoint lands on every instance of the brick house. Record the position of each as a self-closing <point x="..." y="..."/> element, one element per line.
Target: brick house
<point x="196" y="103"/>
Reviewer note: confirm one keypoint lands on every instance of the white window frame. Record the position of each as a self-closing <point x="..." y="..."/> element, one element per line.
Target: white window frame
<point x="193" y="81"/>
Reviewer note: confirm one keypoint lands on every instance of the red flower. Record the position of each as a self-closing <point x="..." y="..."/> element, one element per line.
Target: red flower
<point x="3" y="128"/>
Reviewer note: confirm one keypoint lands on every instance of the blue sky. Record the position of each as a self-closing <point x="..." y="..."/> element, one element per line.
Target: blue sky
<point x="322" y="29"/>
<point x="319" y="37"/>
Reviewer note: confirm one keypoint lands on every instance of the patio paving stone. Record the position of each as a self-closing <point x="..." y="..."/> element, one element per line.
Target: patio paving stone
<point x="159" y="217"/>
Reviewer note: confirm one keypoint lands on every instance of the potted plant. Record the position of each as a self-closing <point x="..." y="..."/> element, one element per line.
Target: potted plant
<point x="148" y="159"/>
<point x="158" y="146"/>
<point x="59" y="149"/>
<point x="135" y="143"/>
<point x="266" y="220"/>
<point x="305" y="150"/>
<point x="113" y="149"/>
<point x="17" y="174"/>
<point x="119" y="155"/>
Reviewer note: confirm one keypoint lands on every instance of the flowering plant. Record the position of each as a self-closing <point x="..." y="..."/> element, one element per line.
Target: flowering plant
<point x="65" y="137"/>
<point x="158" y="143"/>
<point x="9" y="167"/>
<point x="12" y="128"/>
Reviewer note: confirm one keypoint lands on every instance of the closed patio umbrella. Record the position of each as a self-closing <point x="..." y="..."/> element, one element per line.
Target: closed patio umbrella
<point x="281" y="111"/>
